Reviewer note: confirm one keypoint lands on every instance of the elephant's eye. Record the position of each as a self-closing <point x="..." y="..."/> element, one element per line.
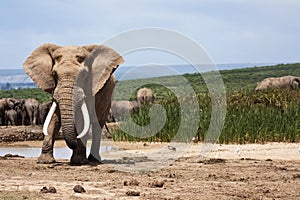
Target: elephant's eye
<point x="54" y="74"/>
<point x="58" y="58"/>
<point x="80" y="59"/>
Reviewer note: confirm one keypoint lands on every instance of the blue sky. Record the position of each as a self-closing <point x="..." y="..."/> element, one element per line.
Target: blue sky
<point x="231" y="31"/>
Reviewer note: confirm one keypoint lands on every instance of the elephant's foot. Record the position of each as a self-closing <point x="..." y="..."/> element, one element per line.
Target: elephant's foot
<point x="95" y="159"/>
<point x="46" y="158"/>
<point x="77" y="160"/>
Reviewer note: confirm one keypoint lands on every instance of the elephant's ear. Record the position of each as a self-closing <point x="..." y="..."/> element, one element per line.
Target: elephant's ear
<point x="39" y="67"/>
<point x="11" y="103"/>
<point x="103" y="61"/>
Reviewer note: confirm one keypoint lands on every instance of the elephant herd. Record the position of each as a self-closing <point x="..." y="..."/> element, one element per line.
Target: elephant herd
<point x="121" y="109"/>
<point x="17" y="112"/>
<point x="22" y="111"/>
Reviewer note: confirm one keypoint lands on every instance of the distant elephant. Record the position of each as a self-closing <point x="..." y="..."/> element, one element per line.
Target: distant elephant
<point x="81" y="81"/>
<point x="11" y="117"/>
<point x="122" y="109"/>
<point x="145" y="96"/>
<point x="291" y="82"/>
<point x="20" y="114"/>
<point x="30" y="109"/>
<point x="43" y="111"/>
<point x="6" y="104"/>
<point x="294" y="83"/>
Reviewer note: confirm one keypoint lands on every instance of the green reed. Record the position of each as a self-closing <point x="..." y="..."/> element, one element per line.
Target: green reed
<point x="252" y="117"/>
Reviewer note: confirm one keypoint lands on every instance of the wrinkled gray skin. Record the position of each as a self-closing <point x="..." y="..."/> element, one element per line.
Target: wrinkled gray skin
<point x="10" y="117"/>
<point x="122" y="109"/>
<point x="43" y="111"/>
<point x="6" y="104"/>
<point x="145" y="96"/>
<point x="290" y="82"/>
<point x="74" y="75"/>
<point x="30" y="111"/>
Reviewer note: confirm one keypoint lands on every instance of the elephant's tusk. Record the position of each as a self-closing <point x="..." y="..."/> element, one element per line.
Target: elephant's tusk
<point x="48" y="118"/>
<point x="86" y="120"/>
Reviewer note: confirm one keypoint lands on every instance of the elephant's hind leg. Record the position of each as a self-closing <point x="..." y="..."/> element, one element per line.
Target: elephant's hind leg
<point x="48" y="143"/>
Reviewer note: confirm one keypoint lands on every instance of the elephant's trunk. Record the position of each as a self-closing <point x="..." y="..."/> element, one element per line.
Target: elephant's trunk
<point x="69" y="99"/>
<point x="67" y="122"/>
<point x="74" y="120"/>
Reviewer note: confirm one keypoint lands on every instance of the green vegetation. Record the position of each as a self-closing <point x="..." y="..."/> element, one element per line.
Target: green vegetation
<point x="252" y="117"/>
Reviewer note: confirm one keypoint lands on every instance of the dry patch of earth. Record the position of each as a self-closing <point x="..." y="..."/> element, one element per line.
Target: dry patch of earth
<point x="252" y="171"/>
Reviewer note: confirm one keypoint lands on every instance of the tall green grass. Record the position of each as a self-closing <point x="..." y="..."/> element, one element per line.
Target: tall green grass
<point x="252" y="117"/>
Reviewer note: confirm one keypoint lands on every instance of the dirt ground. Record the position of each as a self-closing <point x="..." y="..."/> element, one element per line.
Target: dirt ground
<point x="134" y="171"/>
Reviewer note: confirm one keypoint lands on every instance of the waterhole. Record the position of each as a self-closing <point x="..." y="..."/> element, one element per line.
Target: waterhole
<point x="59" y="152"/>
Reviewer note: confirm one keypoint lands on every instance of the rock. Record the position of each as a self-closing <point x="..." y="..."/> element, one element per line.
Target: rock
<point x="78" y="189"/>
<point x="51" y="190"/>
<point x="132" y="182"/>
<point x="46" y="190"/>
<point x="132" y="193"/>
<point x="157" y="184"/>
<point x="296" y="176"/>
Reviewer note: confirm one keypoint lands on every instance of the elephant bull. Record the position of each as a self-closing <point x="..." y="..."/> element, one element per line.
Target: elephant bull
<point x="81" y="81"/>
<point x="291" y="82"/>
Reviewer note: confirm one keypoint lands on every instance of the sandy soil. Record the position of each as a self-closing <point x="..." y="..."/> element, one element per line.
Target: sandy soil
<point x="159" y="171"/>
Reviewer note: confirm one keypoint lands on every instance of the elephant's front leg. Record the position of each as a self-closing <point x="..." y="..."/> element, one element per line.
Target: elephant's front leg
<point x="96" y="131"/>
<point x="96" y="139"/>
<point x="79" y="154"/>
<point x="48" y="143"/>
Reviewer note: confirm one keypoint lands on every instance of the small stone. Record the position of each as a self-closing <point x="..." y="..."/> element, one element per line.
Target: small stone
<point x="44" y="190"/>
<point x="296" y="176"/>
<point x="132" y="193"/>
<point x="157" y="184"/>
<point x="51" y="190"/>
<point x="78" y="189"/>
<point x="132" y="182"/>
<point x="48" y="190"/>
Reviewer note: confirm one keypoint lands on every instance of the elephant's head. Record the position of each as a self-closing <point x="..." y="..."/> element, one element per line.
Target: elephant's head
<point x="65" y="73"/>
<point x="11" y="103"/>
<point x="295" y="82"/>
<point x="145" y="96"/>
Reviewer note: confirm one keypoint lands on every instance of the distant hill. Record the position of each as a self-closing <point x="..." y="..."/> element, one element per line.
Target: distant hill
<point x="234" y="79"/>
<point x="247" y="73"/>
